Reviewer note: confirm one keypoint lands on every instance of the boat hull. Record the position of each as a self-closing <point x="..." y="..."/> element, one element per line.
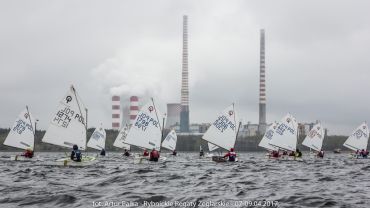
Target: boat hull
<point x="85" y="161"/>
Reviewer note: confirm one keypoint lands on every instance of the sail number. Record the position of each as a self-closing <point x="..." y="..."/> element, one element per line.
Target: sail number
<point x="222" y="123"/>
<point x="143" y="121"/>
<point x="20" y="126"/>
<point x="282" y="127"/>
<point x="65" y="116"/>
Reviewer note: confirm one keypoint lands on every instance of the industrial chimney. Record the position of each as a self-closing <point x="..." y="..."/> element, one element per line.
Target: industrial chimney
<point x="184" y="115"/>
<point x="262" y="96"/>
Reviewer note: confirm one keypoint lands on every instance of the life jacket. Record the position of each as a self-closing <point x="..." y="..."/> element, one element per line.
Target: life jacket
<point x="154" y="156"/>
<point x="146" y="153"/>
<point x="126" y="154"/>
<point x="28" y="154"/>
<point x="232" y="156"/>
<point x="76" y="155"/>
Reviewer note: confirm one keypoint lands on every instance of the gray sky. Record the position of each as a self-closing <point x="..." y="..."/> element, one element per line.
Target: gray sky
<point x="317" y="57"/>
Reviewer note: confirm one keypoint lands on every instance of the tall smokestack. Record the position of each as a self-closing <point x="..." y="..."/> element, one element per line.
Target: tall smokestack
<point x="116" y="112"/>
<point x="262" y="104"/>
<point x="184" y="115"/>
<point x="134" y="108"/>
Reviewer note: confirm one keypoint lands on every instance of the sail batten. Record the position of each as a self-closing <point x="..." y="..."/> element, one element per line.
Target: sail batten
<point x="223" y="130"/>
<point x="68" y="125"/>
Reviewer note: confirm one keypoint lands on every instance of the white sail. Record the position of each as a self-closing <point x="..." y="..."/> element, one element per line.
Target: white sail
<point x="21" y="135"/>
<point x="68" y="126"/>
<point x="224" y="130"/>
<point x="170" y="141"/>
<point x="97" y="140"/>
<point x="146" y="131"/>
<point x="315" y="138"/>
<point x="359" y="138"/>
<point x="285" y="135"/>
<point x="268" y="136"/>
<point x="212" y="147"/>
<point x="121" y="138"/>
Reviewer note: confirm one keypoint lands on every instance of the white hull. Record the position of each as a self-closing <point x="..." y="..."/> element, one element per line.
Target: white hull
<point x="86" y="161"/>
<point x="22" y="158"/>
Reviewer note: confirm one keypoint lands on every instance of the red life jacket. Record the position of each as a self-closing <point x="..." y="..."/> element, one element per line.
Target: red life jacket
<point x="146" y="153"/>
<point x="154" y="154"/>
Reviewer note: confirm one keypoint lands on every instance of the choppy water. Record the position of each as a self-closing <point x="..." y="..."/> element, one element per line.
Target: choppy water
<point x="335" y="181"/>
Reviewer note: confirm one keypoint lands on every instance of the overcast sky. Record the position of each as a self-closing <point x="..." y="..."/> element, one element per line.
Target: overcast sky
<point x="317" y="57"/>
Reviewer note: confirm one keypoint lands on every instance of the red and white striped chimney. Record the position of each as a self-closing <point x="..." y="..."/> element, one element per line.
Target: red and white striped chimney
<point x="116" y="112"/>
<point x="134" y="108"/>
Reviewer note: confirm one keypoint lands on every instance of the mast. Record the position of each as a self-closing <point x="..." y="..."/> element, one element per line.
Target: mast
<point x="33" y="130"/>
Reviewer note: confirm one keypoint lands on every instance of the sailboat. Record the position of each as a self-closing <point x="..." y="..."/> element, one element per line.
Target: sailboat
<point x="315" y="138"/>
<point x="223" y="131"/>
<point x="267" y="138"/>
<point x="358" y="139"/>
<point x="285" y="134"/>
<point x="97" y="139"/>
<point x="121" y="138"/>
<point x="22" y="134"/>
<point x="68" y="127"/>
<point x="170" y="141"/>
<point x="146" y="131"/>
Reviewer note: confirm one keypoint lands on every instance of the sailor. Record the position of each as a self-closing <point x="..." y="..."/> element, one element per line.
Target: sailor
<point x="275" y="154"/>
<point x="292" y="153"/>
<point x="102" y="152"/>
<point x="320" y="154"/>
<point x="366" y="153"/>
<point x="298" y="153"/>
<point x="154" y="155"/>
<point x="231" y="155"/>
<point x="126" y="153"/>
<point x="285" y="153"/>
<point x="28" y="153"/>
<point x="76" y="154"/>
<point x="146" y="153"/>
<point x="201" y="153"/>
<point x="174" y="153"/>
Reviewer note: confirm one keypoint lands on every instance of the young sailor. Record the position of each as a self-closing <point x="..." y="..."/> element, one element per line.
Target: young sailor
<point x="126" y="153"/>
<point x="146" y="153"/>
<point x="298" y="153"/>
<point x="28" y="153"/>
<point x="320" y="154"/>
<point x="102" y="152"/>
<point x="174" y="153"/>
<point x="154" y="155"/>
<point x="231" y="155"/>
<point x="275" y="154"/>
<point x="201" y="153"/>
<point x="76" y="154"/>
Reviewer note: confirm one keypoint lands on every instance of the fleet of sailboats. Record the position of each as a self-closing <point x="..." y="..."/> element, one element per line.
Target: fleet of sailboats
<point x="68" y="128"/>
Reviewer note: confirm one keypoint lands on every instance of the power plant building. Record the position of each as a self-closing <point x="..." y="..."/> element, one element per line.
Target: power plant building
<point x="173" y="115"/>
